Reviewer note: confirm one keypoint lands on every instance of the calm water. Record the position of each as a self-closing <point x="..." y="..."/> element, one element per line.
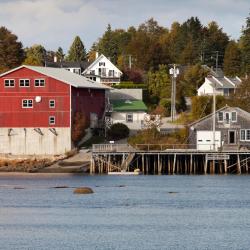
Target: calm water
<point x="129" y="212"/>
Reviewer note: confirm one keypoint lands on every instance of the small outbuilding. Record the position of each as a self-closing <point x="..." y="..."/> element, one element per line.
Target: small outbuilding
<point x="232" y="130"/>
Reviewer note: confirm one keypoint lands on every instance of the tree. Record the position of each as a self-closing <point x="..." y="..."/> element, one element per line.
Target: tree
<point x="11" y="51"/>
<point x="232" y="59"/>
<point x="192" y="79"/>
<point x="245" y="47"/>
<point x="159" y="83"/>
<point x="60" y="55"/>
<point x="214" y="40"/>
<point x="35" y="55"/>
<point x="78" y="127"/>
<point x="77" y="51"/>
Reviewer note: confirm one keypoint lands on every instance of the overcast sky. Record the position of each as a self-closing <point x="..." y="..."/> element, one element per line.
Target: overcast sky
<point x="55" y="23"/>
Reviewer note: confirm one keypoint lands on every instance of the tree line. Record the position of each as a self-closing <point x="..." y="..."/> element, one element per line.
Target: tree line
<point x="144" y="53"/>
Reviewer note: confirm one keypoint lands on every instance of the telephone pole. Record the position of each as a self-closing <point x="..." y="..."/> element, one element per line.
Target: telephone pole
<point x="174" y="72"/>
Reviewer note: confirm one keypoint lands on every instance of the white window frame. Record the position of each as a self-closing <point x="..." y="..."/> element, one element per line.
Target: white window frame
<point x="27" y="107"/>
<point x="39" y="82"/>
<point x="245" y="135"/>
<point x="235" y="116"/>
<point x="9" y="86"/>
<point x="54" y="103"/>
<point x="24" y="86"/>
<point x="127" y="118"/>
<point x="220" y="112"/>
<point x="54" y="120"/>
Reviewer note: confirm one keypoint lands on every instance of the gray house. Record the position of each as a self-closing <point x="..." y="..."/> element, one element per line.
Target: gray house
<point x="232" y="130"/>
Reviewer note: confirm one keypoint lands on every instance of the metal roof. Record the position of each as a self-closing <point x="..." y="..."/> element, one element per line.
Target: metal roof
<point x="63" y="75"/>
<point x="224" y="82"/>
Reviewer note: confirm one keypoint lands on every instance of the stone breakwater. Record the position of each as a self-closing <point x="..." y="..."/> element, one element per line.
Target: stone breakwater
<point x="28" y="164"/>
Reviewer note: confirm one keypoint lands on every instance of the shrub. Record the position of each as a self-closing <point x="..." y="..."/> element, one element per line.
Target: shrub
<point x="118" y="131"/>
<point x="78" y="127"/>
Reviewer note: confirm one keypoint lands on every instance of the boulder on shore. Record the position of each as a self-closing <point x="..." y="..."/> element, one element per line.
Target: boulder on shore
<point x="83" y="190"/>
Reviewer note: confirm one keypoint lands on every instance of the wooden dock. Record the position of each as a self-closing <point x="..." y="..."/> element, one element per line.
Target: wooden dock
<point x="167" y="159"/>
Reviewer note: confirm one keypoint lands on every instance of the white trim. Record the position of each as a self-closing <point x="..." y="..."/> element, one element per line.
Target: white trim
<point x="229" y="81"/>
<point x="245" y="137"/>
<point x="9" y="80"/>
<point x="217" y="81"/>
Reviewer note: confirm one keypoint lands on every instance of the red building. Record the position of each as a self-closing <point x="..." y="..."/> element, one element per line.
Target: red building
<point x="37" y="105"/>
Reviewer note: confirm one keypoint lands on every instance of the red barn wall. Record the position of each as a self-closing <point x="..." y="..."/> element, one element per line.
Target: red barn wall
<point x="88" y="101"/>
<point x="13" y="115"/>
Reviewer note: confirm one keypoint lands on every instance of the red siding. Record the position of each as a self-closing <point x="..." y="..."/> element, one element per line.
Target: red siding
<point x="88" y="101"/>
<point x="13" y="115"/>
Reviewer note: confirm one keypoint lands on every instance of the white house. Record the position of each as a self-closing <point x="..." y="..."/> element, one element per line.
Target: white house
<point x="102" y="70"/>
<point x="220" y="85"/>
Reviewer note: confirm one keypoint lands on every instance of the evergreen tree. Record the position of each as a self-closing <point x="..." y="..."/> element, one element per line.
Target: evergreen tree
<point x="11" y="51"/>
<point x="35" y="55"/>
<point x="77" y="51"/>
<point x="60" y="55"/>
<point x="232" y="59"/>
<point x="245" y="47"/>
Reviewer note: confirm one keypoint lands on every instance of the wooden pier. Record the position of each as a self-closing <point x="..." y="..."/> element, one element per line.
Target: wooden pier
<point x="167" y="159"/>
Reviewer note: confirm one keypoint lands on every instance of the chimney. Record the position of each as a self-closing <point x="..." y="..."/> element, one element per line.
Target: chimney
<point x="96" y="54"/>
<point x="55" y="59"/>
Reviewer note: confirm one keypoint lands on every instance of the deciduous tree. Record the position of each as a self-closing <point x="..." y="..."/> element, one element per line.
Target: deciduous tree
<point x="11" y="50"/>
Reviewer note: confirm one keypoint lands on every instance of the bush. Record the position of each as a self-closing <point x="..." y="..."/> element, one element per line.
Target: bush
<point x="129" y="85"/>
<point x="118" y="131"/>
<point x="78" y="127"/>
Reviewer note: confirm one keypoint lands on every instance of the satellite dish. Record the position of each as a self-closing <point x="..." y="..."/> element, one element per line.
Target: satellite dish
<point x="38" y="98"/>
<point x="192" y="128"/>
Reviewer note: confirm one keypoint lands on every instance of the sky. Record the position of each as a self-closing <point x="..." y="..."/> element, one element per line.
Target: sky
<point x="55" y="23"/>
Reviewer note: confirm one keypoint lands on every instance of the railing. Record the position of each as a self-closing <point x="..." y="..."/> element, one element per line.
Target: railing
<point x="112" y="148"/>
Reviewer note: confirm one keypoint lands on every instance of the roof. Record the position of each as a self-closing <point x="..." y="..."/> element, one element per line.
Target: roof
<point x="127" y="105"/>
<point x="219" y="110"/>
<point x="224" y="82"/>
<point x="61" y="74"/>
<point x="96" y="61"/>
<point x="83" y="64"/>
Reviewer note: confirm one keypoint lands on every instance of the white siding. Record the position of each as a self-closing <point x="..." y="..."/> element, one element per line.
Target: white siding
<point x="138" y="118"/>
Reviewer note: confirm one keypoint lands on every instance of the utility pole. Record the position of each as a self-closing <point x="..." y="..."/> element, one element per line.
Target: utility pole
<point x="174" y="72"/>
<point x="129" y="61"/>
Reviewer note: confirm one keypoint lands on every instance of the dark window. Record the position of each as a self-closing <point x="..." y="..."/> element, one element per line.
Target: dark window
<point x="24" y="83"/>
<point x="39" y="82"/>
<point x="9" y="83"/>
<point x="27" y="103"/>
<point x="129" y="117"/>
<point x="234" y="116"/>
<point x="220" y="116"/>
<point x="52" y="103"/>
<point x="52" y="120"/>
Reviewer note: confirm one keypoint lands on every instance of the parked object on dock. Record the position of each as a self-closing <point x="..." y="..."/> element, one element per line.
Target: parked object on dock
<point x="232" y="130"/>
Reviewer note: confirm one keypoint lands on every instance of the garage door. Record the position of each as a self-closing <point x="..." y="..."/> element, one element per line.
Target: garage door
<point x="205" y="140"/>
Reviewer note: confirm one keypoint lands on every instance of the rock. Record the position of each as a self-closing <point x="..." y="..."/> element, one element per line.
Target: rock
<point x="83" y="190"/>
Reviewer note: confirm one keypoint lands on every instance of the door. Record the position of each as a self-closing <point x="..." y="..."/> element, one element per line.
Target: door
<point x="205" y="140"/>
<point x="231" y="136"/>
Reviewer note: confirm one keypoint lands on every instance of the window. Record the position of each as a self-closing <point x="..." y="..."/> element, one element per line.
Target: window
<point x="227" y="117"/>
<point x="77" y="71"/>
<point x="220" y="116"/>
<point x="245" y="134"/>
<point x="234" y="116"/>
<point x="9" y="83"/>
<point x="242" y="135"/>
<point x="24" y="83"/>
<point x="39" y="83"/>
<point x="52" y="120"/>
<point x="92" y="72"/>
<point x="226" y="92"/>
<point x="101" y="63"/>
<point x="27" y="103"/>
<point x="111" y="72"/>
<point x="52" y="103"/>
<point x="129" y="118"/>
